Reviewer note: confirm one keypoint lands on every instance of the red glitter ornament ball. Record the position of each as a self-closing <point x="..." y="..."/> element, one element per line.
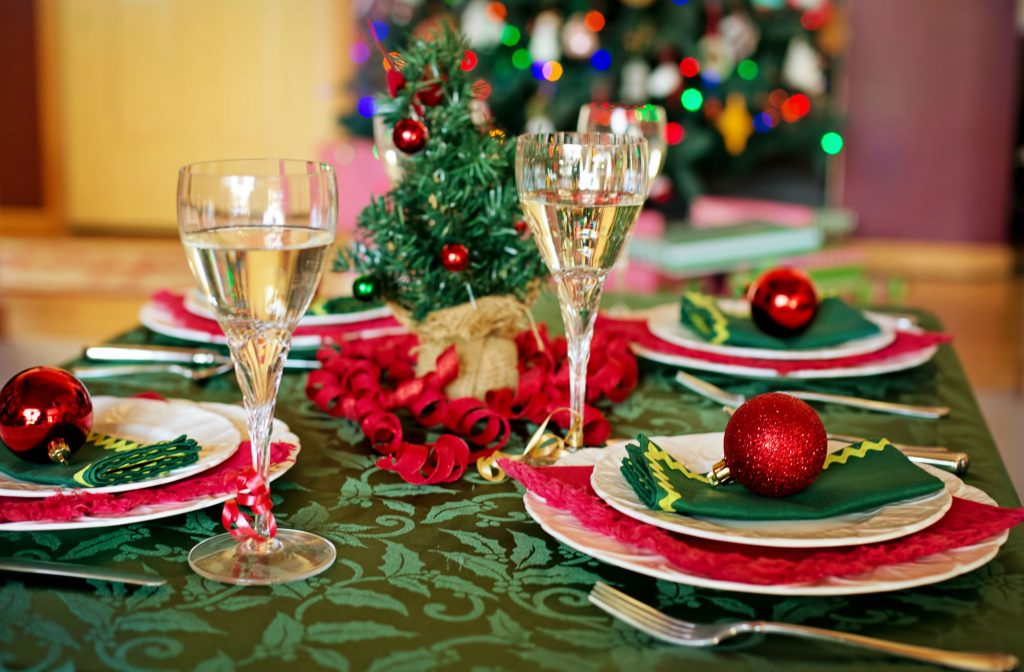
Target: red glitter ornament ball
<point x="45" y="414"/>
<point x="409" y="135"/>
<point x="775" y="445"/>
<point x="455" y="257"/>
<point x="783" y="302"/>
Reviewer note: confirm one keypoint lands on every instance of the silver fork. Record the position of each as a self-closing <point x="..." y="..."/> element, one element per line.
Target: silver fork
<point x="657" y="624"/>
<point x="183" y="371"/>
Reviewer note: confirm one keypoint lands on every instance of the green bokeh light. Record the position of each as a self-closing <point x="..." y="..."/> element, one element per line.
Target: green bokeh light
<point x="522" y="59"/>
<point x="692" y="99"/>
<point x="832" y="143"/>
<point x="747" y="69"/>
<point x="510" y="36"/>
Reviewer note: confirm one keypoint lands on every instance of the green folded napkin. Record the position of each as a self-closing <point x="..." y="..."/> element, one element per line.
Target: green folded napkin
<point x="835" y="323"/>
<point x="340" y="305"/>
<point x="859" y="477"/>
<point x="105" y="460"/>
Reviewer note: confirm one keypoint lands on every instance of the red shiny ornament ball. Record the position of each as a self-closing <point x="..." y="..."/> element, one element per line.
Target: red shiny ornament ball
<point x="783" y="302"/>
<point x="431" y="94"/>
<point x="775" y="445"/>
<point x="409" y="135"/>
<point x="396" y="82"/>
<point x="45" y="414"/>
<point x="455" y="257"/>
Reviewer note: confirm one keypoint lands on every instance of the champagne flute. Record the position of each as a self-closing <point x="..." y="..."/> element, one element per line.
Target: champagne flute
<point x="581" y="193"/>
<point x="646" y="121"/>
<point x="257" y="235"/>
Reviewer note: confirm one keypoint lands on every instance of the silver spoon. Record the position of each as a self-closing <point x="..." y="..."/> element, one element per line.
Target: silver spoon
<point x="85" y="372"/>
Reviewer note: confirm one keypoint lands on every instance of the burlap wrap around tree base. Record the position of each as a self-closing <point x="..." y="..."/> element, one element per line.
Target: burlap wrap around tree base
<point x="483" y="335"/>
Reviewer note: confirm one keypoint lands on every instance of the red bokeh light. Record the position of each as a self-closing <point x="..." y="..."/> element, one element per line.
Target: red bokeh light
<point x="689" y="67"/>
<point x="674" y="133"/>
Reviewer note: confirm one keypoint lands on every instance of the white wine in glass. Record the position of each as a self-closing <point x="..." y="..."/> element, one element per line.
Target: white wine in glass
<point x="257" y="234"/>
<point x="581" y="193"/>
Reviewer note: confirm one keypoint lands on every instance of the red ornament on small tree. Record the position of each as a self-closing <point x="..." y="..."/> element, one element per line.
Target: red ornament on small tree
<point x="783" y="302"/>
<point x="775" y="445"/>
<point x="410" y="135"/>
<point x="45" y="414"/>
<point x="455" y="257"/>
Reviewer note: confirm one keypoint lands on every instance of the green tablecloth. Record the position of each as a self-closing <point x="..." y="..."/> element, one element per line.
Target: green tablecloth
<point x="458" y="577"/>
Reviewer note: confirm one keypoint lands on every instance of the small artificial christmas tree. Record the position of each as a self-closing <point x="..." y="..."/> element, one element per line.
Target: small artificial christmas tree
<point x="447" y="248"/>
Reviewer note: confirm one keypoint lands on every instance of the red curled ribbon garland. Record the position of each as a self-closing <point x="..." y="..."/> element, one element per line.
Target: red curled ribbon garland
<point x="368" y="380"/>
<point x="252" y="492"/>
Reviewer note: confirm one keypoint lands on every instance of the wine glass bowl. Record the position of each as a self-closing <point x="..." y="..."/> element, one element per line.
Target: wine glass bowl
<point x="581" y="193"/>
<point x="257" y="234"/>
<point x="645" y="121"/>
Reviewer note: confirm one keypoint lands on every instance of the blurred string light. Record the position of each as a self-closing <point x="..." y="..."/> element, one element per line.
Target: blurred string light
<point x="594" y="20"/>
<point x="601" y="60"/>
<point x="360" y="52"/>
<point x="832" y="143"/>
<point x="692" y="99"/>
<point x="552" y="71"/>
<point x="747" y="69"/>
<point x="521" y="59"/>
<point x="366" y="107"/>
<point x="510" y="35"/>
<point x="795" y="108"/>
<point x="381" y="30"/>
<point x="537" y="70"/>
<point x="497" y="10"/>
<point x="680" y="2"/>
<point x="764" y="122"/>
<point x="689" y="67"/>
<point x="674" y="133"/>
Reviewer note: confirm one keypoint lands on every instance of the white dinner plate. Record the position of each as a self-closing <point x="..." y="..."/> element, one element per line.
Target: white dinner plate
<point x="146" y="421"/>
<point x="197" y="304"/>
<point x="700" y="451"/>
<point x="564" y="527"/>
<point x="663" y="321"/>
<point x="236" y="416"/>
<point x="155" y="318"/>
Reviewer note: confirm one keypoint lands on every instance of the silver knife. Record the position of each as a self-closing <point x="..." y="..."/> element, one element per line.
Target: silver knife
<point x="52" y="568"/>
<point x="167" y="353"/>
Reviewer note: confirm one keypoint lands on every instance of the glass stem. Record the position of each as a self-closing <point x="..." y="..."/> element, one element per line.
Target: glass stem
<point x="259" y="363"/>
<point x="579" y="293"/>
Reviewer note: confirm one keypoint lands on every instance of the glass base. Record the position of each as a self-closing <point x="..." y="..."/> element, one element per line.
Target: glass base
<point x="292" y="555"/>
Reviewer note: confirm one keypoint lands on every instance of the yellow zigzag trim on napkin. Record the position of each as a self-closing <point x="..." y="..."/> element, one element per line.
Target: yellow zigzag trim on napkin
<point x="719" y="327"/>
<point x="656" y="456"/>
<point x="114" y="443"/>
<point x="858" y="451"/>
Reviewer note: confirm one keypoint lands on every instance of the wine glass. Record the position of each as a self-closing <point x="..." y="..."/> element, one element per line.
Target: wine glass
<point x="646" y="121"/>
<point x="257" y="235"/>
<point x="581" y="193"/>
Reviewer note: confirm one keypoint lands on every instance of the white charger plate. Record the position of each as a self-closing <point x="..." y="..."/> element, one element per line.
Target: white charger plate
<point x="233" y="414"/>
<point x="663" y="321"/>
<point x="934" y="568"/>
<point x="146" y="421"/>
<point x="155" y="318"/>
<point x="197" y="304"/>
<point x="700" y="451"/>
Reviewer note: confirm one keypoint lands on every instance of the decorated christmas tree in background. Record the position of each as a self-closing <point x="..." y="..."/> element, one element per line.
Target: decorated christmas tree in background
<point x="447" y="246"/>
<point x="746" y="83"/>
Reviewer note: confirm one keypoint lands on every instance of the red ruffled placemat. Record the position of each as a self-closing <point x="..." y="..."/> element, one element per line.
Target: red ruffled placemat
<point x="568" y="489"/>
<point x="174" y="304"/>
<point x="220" y="480"/>
<point x="906" y="343"/>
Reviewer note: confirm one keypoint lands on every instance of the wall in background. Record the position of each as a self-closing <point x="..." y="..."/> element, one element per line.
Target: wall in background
<point x="146" y="87"/>
<point x="931" y="110"/>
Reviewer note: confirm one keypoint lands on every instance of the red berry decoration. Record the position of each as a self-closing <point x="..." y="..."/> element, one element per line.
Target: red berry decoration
<point x="431" y="94"/>
<point x="521" y="226"/>
<point x="409" y="135"/>
<point x="775" y="445"/>
<point x="45" y="414"/>
<point x="783" y="302"/>
<point x="455" y="257"/>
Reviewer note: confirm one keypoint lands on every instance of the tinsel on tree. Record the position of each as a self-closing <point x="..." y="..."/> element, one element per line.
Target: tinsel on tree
<point x="450" y="231"/>
<point x="746" y="83"/>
